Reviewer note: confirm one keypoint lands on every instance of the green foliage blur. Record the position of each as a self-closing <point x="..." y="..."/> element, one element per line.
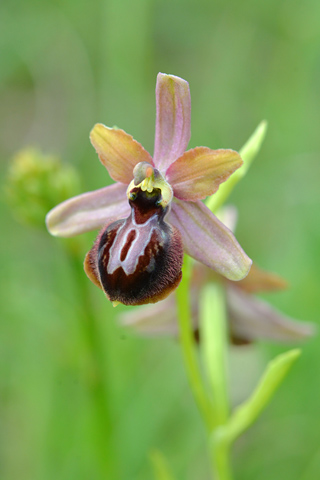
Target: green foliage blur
<point x="66" y="65"/>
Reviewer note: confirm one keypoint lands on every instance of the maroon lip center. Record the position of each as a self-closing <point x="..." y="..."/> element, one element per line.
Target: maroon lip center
<point x="145" y="244"/>
<point x="146" y="204"/>
<point x="132" y="235"/>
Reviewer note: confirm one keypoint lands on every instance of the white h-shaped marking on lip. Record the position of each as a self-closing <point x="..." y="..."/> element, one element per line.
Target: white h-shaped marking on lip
<point x="118" y="244"/>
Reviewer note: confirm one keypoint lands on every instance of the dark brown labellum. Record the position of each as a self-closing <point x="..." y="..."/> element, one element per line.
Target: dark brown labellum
<point x="138" y="260"/>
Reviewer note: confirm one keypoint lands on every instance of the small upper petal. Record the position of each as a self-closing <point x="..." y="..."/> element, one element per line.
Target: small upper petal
<point x="173" y="104"/>
<point x="259" y="280"/>
<point x="207" y="240"/>
<point x="88" y="211"/>
<point x="118" y="151"/>
<point x="199" y="172"/>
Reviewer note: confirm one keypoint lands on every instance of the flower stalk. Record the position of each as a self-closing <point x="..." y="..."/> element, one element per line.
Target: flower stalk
<point x="212" y="403"/>
<point x="213" y="325"/>
<point x="214" y="348"/>
<point x="220" y="460"/>
<point x="189" y="348"/>
<point x="223" y="425"/>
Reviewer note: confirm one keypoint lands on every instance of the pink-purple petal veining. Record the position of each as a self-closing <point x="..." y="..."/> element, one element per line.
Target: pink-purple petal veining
<point x="207" y="240"/>
<point x="199" y="172"/>
<point x="88" y="211"/>
<point x="173" y="120"/>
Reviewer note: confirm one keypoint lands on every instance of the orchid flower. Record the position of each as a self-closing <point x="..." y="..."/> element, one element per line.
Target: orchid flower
<point x="154" y="210"/>
<point x="250" y="318"/>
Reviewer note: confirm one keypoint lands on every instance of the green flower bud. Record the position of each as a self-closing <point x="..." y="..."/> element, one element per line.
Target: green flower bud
<point x="35" y="183"/>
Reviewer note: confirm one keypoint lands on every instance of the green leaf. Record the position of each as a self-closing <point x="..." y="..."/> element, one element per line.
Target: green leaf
<point x="160" y="466"/>
<point x="248" y="153"/>
<point x="248" y="412"/>
<point x="251" y="148"/>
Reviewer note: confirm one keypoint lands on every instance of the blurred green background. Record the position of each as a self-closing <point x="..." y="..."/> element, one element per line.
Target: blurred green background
<point x="65" y="65"/>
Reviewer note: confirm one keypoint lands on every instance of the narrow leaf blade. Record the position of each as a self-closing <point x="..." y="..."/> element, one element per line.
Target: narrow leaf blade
<point x="249" y="411"/>
<point x="248" y="153"/>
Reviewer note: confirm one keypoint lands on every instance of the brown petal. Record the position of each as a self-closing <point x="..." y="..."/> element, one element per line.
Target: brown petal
<point x="259" y="280"/>
<point x="90" y="266"/>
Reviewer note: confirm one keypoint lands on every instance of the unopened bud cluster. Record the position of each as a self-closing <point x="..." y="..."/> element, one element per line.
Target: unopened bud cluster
<point x="36" y="182"/>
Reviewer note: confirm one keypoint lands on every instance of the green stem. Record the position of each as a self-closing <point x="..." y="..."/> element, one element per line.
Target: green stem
<point x="188" y="347"/>
<point x="97" y="379"/>
<point x="213" y="322"/>
<point x="220" y="460"/>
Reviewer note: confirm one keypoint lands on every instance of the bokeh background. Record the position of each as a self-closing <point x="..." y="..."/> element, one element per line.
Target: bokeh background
<point x="65" y="65"/>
